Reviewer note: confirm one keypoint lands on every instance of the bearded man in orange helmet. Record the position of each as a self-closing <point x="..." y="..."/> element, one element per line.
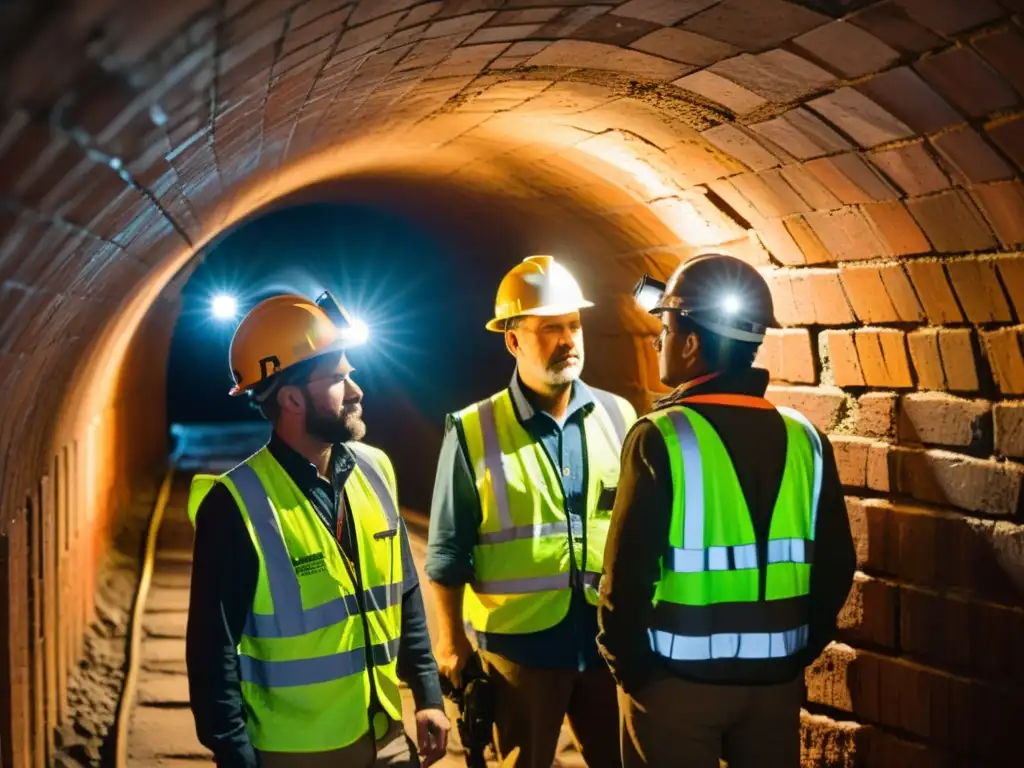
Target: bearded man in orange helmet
<point x="305" y="608"/>
<point x="522" y="501"/>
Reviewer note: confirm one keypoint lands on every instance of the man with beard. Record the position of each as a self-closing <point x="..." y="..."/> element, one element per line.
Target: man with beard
<point x="305" y="609"/>
<point x="523" y="495"/>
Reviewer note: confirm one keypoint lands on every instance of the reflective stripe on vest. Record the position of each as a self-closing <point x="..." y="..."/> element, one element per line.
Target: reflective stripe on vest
<point x="289" y="618"/>
<point x="527" y="585"/>
<point x="715" y="600"/>
<point x="509" y="532"/>
<point x="729" y="645"/>
<point x="528" y="541"/>
<point x="694" y="557"/>
<point x="322" y="669"/>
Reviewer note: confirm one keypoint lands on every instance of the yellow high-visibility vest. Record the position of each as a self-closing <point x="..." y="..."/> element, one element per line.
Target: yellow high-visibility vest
<point x="526" y="546"/>
<point x="306" y="651"/>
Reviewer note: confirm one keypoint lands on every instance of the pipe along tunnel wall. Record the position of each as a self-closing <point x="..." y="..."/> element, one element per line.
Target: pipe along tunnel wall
<point x="866" y="154"/>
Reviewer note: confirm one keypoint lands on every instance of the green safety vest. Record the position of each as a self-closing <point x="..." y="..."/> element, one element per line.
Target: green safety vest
<point x="707" y="604"/>
<point x="303" y="656"/>
<point x="527" y="550"/>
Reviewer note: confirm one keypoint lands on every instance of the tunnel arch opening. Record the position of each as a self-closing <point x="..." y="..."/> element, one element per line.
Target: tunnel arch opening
<point x="866" y="155"/>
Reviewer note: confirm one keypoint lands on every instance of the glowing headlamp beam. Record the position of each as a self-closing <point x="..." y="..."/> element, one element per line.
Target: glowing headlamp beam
<point x="224" y="307"/>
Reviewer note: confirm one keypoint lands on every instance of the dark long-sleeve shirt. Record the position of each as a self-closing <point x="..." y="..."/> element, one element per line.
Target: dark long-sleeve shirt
<point x="756" y="442"/>
<point x="455" y="518"/>
<point x="224" y="574"/>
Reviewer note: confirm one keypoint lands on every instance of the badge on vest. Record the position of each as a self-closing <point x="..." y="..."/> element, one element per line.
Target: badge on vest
<point x="309" y="564"/>
<point x="576" y="525"/>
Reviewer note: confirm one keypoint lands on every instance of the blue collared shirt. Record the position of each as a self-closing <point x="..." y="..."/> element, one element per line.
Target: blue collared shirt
<point x="455" y="518"/>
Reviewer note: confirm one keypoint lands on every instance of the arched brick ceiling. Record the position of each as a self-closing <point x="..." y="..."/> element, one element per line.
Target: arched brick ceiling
<point x="830" y="141"/>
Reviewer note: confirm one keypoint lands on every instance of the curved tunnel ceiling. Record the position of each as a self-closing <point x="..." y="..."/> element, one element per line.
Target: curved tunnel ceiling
<point x="798" y="135"/>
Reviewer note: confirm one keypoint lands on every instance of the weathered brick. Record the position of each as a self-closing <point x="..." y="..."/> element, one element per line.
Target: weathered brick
<point x="862" y="462"/>
<point x="843" y="358"/>
<point x="905" y="95"/>
<point x="826" y="743"/>
<point x="822" y="406"/>
<point x="846" y="234"/>
<point x="914" y="698"/>
<point x="1009" y="428"/>
<point x="967" y="635"/>
<point x="896" y="228"/>
<point x="912" y="167"/>
<point x="959" y="359"/>
<point x="809" y="243"/>
<point x="798" y="363"/>
<point x="976" y="485"/>
<point x="977" y="286"/>
<point x="859" y="117"/>
<point x="863" y="285"/>
<point x="831" y="306"/>
<point x="851" y="179"/>
<point x="934" y="290"/>
<point x="828" y="678"/>
<point x="952" y="222"/>
<point x="889" y="22"/>
<point x="875" y="414"/>
<point x="938" y="549"/>
<point x="1003" y="348"/>
<point x="883" y="358"/>
<point x="1011" y="270"/>
<point x="961" y="76"/>
<point x="869" y="525"/>
<point x="938" y="419"/>
<point x="971" y="157"/>
<point x="847" y="49"/>
<point x="1003" y="206"/>
<point x="881" y="294"/>
<point x="927" y="359"/>
<point x="754" y="24"/>
<point x="802" y="134"/>
<point x="869" y="615"/>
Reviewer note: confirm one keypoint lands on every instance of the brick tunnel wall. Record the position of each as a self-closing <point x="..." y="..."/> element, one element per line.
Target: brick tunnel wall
<point x="59" y="532"/>
<point x="866" y="154"/>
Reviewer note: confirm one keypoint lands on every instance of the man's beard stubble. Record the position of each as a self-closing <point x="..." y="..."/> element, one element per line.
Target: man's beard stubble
<point x="332" y="429"/>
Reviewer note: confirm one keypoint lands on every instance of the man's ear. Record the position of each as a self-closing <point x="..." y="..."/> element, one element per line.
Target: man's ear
<point x="289" y="398"/>
<point x="512" y="342"/>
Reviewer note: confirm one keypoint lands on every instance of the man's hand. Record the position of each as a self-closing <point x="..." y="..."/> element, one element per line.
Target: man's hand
<point x="432" y="728"/>
<point x="452" y="654"/>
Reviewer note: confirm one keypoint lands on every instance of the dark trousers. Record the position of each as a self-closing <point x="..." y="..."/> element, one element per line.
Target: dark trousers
<point x="673" y="722"/>
<point x="532" y="704"/>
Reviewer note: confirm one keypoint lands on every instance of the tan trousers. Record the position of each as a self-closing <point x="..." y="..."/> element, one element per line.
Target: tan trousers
<point x="533" y="703"/>
<point x="677" y="723"/>
<point x="395" y="750"/>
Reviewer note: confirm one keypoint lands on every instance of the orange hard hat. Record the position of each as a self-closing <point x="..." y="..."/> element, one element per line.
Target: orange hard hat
<point x="281" y="332"/>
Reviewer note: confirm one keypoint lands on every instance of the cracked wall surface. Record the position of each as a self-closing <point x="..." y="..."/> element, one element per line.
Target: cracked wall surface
<point x="866" y="154"/>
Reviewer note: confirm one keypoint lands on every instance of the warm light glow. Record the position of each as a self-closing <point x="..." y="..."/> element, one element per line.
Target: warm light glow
<point x="224" y="307"/>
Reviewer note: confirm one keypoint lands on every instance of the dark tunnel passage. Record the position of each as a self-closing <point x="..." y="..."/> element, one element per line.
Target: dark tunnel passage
<point x="866" y="156"/>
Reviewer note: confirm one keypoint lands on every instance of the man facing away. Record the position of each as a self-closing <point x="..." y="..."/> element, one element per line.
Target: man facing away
<point x="730" y="554"/>
<point x="305" y="609"/>
<point x="520" y="514"/>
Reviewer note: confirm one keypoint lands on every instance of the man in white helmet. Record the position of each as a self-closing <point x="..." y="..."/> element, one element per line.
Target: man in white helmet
<point x="522" y="501"/>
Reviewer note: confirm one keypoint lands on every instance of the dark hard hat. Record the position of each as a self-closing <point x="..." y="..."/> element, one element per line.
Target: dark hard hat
<point x="723" y="294"/>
